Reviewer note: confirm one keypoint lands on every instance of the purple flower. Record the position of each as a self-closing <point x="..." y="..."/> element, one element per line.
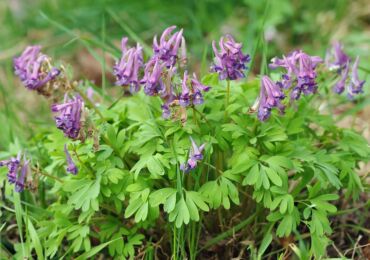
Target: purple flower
<point x="128" y="67"/>
<point x="300" y="73"/>
<point x="198" y="88"/>
<point x="270" y="97"/>
<point x="229" y="61"/>
<point x="16" y="173"/>
<point x="152" y="80"/>
<point x="356" y="85"/>
<point x="184" y="97"/>
<point x="71" y="166"/>
<point x="168" y="97"/>
<point x="19" y="184"/>
<point x="341" y="84"/>
<point x="69" y="116"/>
<point x="194" y="156"/>
<point x="168" y="46"/>
<point x="166" y="111"/>
<point x="336" y="58"/>
<point x="194" y="95"/>
<point x="31" y="67"/>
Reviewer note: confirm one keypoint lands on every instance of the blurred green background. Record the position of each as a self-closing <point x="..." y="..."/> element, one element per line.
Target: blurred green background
<point x="86" y="34"/>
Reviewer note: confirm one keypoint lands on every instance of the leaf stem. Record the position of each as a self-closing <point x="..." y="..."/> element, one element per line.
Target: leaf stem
<point x="48" y="175"/>
<point x="88" y="101"/>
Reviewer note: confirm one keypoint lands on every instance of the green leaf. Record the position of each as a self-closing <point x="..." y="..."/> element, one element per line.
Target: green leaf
<point x="160" y="196"/>
<point x="133" y="206"/>
<point x="266" y="241"/>
<point x="193" y="210"/>
<point x="198" y="200"/>
<point x="170" y="203"/>
<point x="142" y="212"/>
<point x="273" y="176"/>
<point x="95" y="250"/>
<point x="35" y="240"/>
<point x="252" y="176"/>
<point x="180" y="214"/>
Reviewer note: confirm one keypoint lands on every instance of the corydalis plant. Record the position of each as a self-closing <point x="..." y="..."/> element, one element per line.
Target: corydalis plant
<point x="300" y="75"/>
<point x="17" y="171"/>
<point x="69" y="116"/>
<point x="229" y="61"/>
<point x="34" y="69"/>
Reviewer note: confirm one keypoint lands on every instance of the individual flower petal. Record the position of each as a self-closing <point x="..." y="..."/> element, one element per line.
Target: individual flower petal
<point x="356" y="85"/>
<point x="339" y="87"/>
<point x="184" y="97"/>
<point x="71" y="166"/>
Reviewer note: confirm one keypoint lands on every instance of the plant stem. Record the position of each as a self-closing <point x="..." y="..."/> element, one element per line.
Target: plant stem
<point x="88" y="101"/>
<point x="48" y="175"/>
<point x="227" y="97"/>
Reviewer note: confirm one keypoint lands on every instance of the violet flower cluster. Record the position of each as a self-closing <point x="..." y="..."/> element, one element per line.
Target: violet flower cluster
<point x="195" y="155"/>
<point x="336" y="59"/>
<point x="69" y="115"/>
<point x="127" y="69"/>
<point x="169" y="54"/>
<point x="229" y="62"/>
<point x="300" y="76"/>
<point x="17" y="171"/>
<point x="32" y="68"/>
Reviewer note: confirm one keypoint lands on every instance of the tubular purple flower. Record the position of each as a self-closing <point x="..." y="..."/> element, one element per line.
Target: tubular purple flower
<point x="270" y="97"/>
<point x="356" y="85"/>
<point x="152" y="77"/>
<point x="198" y="88"/>
<point x="71" y="166"/>
<point x="336" y="58"/>
<point x="168" y="47"/>
<point x="341" y="84"/>
<point x="69" y="116"/>
<point x="128" y="67"/>
<point x="229" y="61"/>
<point x="195" y="155"/>
<point x="300" y="72"/>
<point x="17" y="171"/>
<point x="19" y="184"/>
<point x="31" y="68"/>
<point x="184" y="97"/>
<point x="13" y="166"/>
